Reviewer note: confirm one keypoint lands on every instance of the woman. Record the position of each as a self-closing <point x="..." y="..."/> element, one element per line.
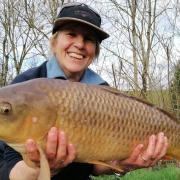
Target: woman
<point x="75" y="43"/>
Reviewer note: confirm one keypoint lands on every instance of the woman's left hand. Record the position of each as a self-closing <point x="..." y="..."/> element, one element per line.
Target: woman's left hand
<point x="140" y="157"/>
<point x="155" y="151"/>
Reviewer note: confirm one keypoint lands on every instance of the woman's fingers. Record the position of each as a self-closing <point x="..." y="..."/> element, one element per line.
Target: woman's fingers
<point x="58" y="151"/>
<point x="52" y="143"/>
<point x="164" y="148"/>
<point x="161" y="148"/>
<point x="135" y="154"/>
<point x="71" y="155"/>
<point x="62" y="147"/>
<point x="64" y="152"/>
<point x="161" y="145"/>
<point x="32" y="150"/>
<point x="156" y="149"/>
<point x="149" y="152"/>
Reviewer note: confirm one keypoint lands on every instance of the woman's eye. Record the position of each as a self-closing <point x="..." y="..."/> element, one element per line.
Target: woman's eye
<point x="71" y="34"/>
<point x="90" y="39"/>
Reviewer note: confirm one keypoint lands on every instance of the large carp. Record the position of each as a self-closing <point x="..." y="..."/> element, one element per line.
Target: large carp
<point x="102" y="123"/>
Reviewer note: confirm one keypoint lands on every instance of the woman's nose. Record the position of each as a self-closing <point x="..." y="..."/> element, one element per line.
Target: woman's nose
<point x="79" y="42"/>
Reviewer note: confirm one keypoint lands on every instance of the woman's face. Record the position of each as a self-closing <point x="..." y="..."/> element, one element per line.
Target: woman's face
<point x="75" y="48"/>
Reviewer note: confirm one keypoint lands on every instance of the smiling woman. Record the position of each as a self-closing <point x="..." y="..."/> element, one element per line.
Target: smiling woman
<point x="75" y="48"/>
<point x="75" y="41"/>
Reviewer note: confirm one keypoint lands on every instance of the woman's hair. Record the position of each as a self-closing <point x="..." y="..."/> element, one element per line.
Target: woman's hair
<point x="53" y="38"/>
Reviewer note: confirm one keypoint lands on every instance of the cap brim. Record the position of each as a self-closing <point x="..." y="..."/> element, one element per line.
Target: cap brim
<point x="102" y="34"/>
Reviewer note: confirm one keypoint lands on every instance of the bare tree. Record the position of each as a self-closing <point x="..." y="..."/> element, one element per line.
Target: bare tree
<point x="25" y="29"/>
<point x="138" y="56"/>
<point x="137" y="29"/>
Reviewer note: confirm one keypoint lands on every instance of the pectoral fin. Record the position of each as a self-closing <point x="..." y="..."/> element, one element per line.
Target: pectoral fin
<point x="116" y="168"/>
<point x="167" y="157"/>
<point x="44" y="173"/>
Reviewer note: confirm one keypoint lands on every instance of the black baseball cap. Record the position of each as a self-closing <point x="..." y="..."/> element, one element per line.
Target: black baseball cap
<point x="82" y="13"/>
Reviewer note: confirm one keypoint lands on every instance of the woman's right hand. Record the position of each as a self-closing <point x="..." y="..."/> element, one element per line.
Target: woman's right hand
<point x="59" y="151"/>
<point x="22" y="171"/>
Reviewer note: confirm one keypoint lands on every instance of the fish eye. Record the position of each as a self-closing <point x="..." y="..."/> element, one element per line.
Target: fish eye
<point x="5" y="108"/>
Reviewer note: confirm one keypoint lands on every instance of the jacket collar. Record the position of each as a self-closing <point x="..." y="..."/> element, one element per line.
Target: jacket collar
<point x="55" y="71"/>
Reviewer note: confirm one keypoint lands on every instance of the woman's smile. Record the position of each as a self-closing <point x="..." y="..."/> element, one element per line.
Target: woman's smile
<point x="76" y="55"/>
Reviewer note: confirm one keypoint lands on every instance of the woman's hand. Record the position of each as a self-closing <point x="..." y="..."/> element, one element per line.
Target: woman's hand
<point x="155" y="150"/>
<point x="22" y="171"/>
<point x="140" y="157"/>
<point x="59" y="152"/>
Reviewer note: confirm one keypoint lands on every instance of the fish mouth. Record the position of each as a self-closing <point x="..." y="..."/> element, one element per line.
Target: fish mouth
<point x="76" y="55"/>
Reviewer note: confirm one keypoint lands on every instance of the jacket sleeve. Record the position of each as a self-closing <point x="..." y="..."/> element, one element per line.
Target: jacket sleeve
<point x="8" y="158"/>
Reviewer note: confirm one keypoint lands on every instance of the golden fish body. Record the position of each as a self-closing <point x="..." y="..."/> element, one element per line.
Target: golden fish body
<point x="102" y="123"/>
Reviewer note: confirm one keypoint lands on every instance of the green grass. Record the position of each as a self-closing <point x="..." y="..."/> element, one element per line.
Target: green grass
<point x="166" y="173"/>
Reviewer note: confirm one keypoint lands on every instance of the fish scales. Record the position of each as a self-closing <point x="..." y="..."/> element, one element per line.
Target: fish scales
<point x="102" y="123"/>
<point x="94" y="101"/>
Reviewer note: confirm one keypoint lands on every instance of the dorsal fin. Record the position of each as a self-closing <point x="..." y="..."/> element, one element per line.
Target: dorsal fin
<point x="119" y="93"/>
<point x="112" y="90"/>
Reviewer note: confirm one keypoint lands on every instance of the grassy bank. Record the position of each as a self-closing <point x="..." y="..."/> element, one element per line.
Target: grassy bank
<point x="165" y="173"/>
